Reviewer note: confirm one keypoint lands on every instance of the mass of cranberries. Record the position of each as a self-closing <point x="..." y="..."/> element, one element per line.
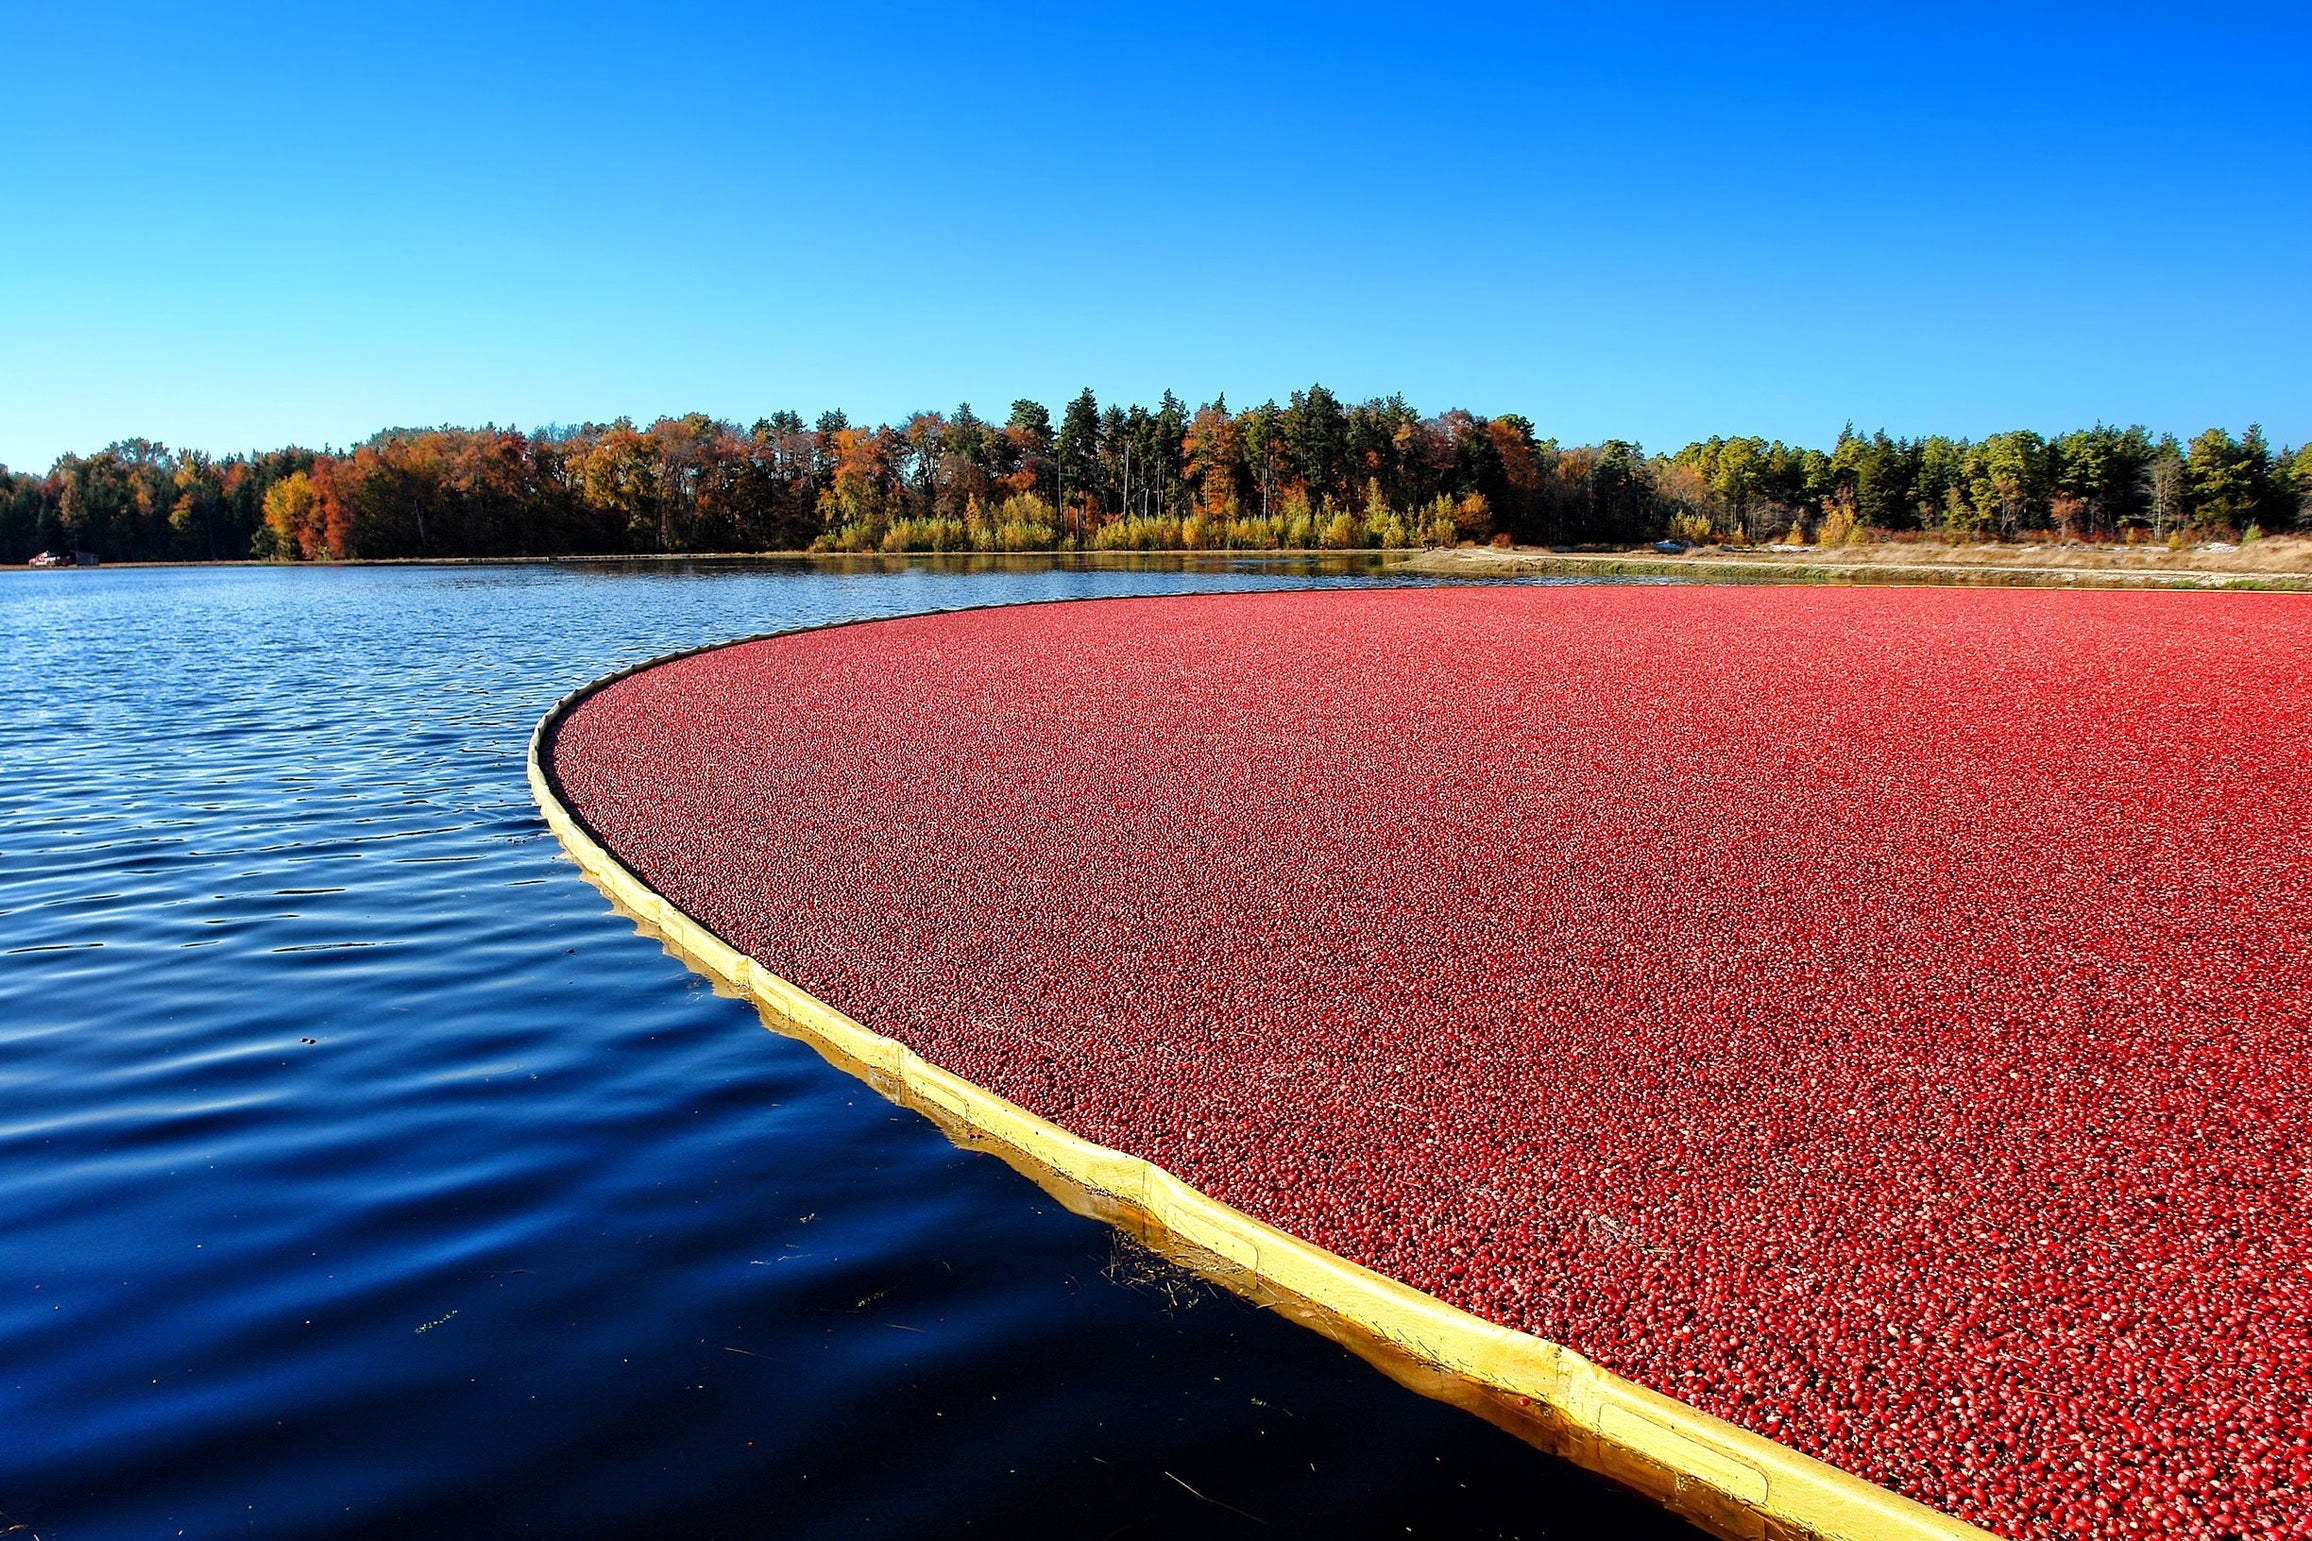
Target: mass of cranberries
<point x="1882" y="1018"/>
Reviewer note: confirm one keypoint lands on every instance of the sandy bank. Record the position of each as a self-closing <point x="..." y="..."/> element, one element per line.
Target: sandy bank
<point x="2280" y="562"/>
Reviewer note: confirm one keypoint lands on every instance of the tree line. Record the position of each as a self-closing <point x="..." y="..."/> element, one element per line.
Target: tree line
<point x="1315" y="472"/>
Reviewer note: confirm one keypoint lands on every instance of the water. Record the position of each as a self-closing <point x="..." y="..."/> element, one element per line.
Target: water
<point x="362" y="1174"/>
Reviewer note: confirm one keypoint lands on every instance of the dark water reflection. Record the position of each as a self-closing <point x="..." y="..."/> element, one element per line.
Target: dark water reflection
<point x="362" y="1174"/>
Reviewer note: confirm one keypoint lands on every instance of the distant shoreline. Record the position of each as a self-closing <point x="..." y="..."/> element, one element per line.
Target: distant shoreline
<point x="2278" y="562"/>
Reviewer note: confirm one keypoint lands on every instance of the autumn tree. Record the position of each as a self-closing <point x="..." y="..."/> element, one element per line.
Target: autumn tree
<point x="1033" y="455"/>
<point x="1313" y="471"/>
<point x="1213" y="451"/>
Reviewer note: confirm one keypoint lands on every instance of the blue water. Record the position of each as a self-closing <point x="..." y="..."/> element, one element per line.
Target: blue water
<point x="361" y="1173"/>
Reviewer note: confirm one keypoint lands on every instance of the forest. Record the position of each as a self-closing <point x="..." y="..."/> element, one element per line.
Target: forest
<point x="1316" y="472"/>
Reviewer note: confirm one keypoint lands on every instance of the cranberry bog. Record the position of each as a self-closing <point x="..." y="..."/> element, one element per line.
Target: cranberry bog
<point x="1873" y="1018"/>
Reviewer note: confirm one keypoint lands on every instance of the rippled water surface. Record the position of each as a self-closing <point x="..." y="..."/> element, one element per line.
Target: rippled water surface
<point x="362" y="1174"/>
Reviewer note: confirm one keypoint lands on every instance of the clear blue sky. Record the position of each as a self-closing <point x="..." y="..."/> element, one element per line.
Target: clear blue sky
<point x="233" y="226"/>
